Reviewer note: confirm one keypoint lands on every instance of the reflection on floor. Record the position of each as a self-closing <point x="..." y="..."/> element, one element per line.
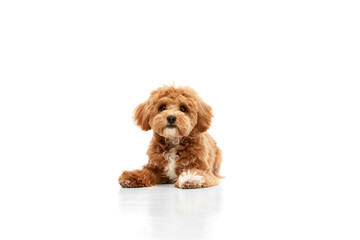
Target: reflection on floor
<point x="165" y="212"/>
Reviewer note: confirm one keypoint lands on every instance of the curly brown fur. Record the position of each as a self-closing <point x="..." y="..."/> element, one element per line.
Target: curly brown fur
<point x="181" y="152"/>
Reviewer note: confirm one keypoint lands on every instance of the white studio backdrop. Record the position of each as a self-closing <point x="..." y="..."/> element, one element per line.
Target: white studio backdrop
<point x="282" y="78"/>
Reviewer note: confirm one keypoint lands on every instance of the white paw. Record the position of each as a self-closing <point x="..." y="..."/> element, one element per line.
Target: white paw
<point x="190" y="179"/>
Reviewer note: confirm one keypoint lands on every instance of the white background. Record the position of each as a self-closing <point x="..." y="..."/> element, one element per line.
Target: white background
<point x="282" y="78"/>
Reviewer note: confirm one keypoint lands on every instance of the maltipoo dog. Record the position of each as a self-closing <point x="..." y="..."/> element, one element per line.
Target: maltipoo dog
<point x="181" y="151"/>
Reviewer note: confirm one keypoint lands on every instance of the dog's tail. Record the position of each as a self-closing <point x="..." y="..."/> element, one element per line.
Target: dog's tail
<point x="216" y="173"/>
<point x="217" y="163"/>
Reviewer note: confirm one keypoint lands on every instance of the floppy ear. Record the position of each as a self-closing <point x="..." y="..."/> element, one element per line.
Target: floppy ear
<point x="142" y="116"/>
<point x="204" y="116"/>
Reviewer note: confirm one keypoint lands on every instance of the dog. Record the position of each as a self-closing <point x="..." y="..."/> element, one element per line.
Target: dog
<point x="181" y="151"/>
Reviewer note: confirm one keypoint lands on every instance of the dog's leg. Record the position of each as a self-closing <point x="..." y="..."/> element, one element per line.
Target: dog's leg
<point x="139" y="178"/>
<point x="194" y="178"/>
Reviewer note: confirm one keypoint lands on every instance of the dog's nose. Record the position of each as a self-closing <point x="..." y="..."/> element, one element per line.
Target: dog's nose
<point x="171" y="119"/>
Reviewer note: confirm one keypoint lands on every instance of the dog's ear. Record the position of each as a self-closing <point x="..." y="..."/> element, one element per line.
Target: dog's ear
<point x="142" y="116"/>
<point x="204" y="116"/>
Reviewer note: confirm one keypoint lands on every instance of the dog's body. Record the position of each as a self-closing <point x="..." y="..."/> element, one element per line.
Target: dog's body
<point x="181" y="151"/>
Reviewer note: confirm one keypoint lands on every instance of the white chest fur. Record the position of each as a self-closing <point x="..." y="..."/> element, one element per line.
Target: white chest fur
<point x="171" y="157"/>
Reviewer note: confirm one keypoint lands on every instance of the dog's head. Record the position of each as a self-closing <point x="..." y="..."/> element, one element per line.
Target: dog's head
<point x="173" y="112"/>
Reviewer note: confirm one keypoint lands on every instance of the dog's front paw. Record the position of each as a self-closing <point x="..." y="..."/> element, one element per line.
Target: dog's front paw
<point x="127" y="183"/>
<point x="190" y="180"/>
<point x="132" y="179"/>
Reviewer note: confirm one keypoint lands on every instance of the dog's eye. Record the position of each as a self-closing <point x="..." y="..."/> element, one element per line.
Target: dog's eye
<point x="182" y="108"/>
<point x="162" y="107"/>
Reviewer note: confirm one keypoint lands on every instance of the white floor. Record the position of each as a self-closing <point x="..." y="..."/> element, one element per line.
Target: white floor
<point x="234" y="211"/>
<point x="164" y="212"/>
<point x="96" y="207"/>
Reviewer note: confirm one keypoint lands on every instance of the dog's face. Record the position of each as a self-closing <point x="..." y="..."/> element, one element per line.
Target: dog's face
<point x="173" y="112"/>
